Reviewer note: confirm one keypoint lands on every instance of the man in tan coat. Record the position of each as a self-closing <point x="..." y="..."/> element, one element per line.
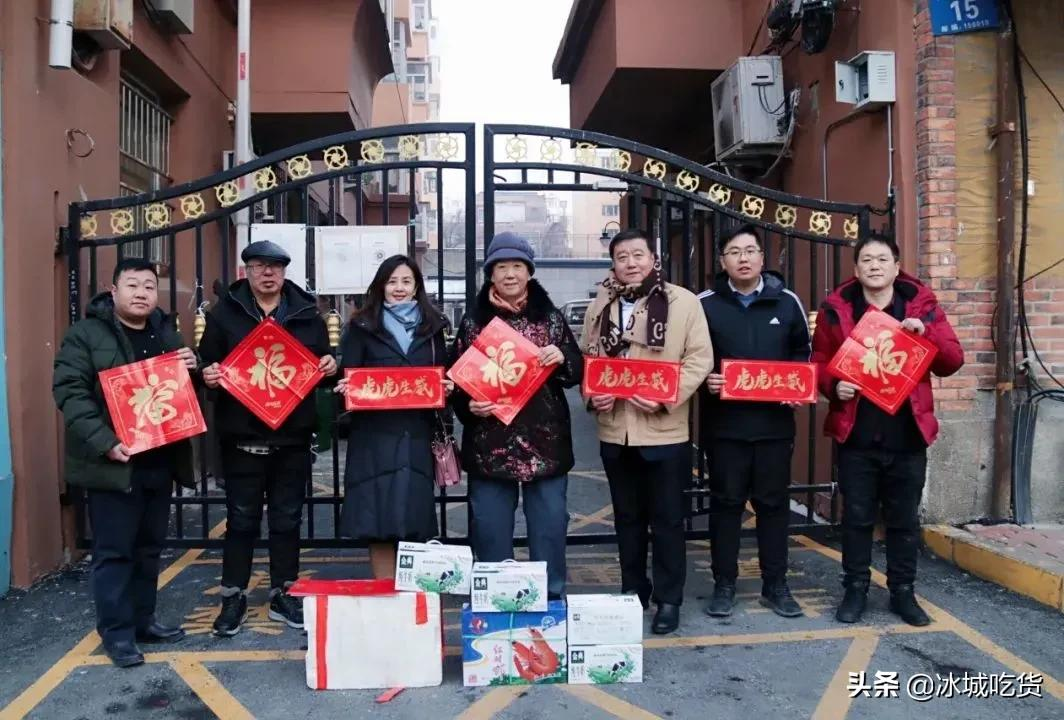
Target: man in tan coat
<point x="644" y="444"/>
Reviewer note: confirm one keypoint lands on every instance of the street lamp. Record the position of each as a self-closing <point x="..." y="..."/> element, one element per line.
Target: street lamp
<point x="604" y="238"/>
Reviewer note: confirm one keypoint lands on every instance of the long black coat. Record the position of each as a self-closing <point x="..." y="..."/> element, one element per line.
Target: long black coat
<point x="389" y="481"/>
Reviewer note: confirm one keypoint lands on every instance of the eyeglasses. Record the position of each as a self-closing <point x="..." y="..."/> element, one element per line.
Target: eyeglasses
<point x="736" y="253"/>
<point x="258" y="267"/>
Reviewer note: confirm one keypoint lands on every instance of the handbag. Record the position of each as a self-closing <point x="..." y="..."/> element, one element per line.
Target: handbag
<point x="444" y="448"/>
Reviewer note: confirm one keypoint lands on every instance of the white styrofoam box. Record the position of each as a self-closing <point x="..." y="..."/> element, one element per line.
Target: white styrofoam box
<point x="605" y="620"/>
<point x="605" y="664"/>
<point x="433" y="567"/>
<point x="361" y="634"/>
<point x="509" y="586"/>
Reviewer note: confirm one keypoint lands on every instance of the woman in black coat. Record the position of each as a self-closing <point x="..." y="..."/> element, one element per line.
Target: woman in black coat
<point x="389" y="480"/>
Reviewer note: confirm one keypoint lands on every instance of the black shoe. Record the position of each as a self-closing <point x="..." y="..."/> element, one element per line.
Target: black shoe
<point x="124" y="653"/>
<point x="666" y="619"/>
<point x="644" y="597"/>
<point x="157" y="633"/>
<point x="287" y="609"/>
<point x="853" y="602"/>
<point x="903" y="603"/>
<point x="723" y="601"/>
<point x="776" y="596"/>
<point x="234" y="613"/>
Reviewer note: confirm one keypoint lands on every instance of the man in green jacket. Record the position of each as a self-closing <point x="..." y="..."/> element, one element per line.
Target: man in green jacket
<point x="128" y="496"/>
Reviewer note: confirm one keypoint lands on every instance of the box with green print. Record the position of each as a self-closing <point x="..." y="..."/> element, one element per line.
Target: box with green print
<point x="527" y="648"/>
<point x="605" y="664"/>
<point x="433" y="567"/>
<point x="509" y="587"/>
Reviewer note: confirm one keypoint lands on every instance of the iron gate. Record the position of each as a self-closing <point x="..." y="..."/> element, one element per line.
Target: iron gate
<point x="686" y="206"/>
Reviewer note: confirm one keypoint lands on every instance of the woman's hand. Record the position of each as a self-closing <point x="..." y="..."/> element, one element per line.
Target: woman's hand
<point x="551" y="355"/>
<point x="212" y="375"/>
<point x="714" y="383"/>
<point x="482" y="408"/>
<point x="448" y="387"/>
<point x="341" y="387"/>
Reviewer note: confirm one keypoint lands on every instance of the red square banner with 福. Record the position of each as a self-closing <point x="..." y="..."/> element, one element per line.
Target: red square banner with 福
<point x="883" y="359"/>
<point x="654" y="380"/>
<point x="152" y="402"/>
<point x="270" y="372"/>
<point x="768" y="381"/>
<point x="502" y="366"/>
<point x="394" y="388"/>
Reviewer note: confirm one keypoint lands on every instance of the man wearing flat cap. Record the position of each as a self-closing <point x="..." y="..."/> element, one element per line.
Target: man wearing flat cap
<point x="261" y="464"/>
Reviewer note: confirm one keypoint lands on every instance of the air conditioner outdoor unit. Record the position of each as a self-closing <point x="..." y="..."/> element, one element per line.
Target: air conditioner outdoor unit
<point x="748" y="104"/>
<point x="176" y="15"/>
<point x="108" y="22"/>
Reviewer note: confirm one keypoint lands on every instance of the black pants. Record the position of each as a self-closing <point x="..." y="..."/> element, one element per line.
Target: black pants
<point x="128" y="531"/>
<point x="874" y="479"/>
<point x="280" y="479"/>
<point x="647" y="487"/>
<point x="761" y="472"/>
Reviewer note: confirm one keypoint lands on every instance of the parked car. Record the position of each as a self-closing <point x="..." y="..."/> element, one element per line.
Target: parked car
<point x="574" y="312"/>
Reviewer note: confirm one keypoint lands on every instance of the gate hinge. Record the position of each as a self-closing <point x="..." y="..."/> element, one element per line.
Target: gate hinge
<point x="61" y="240"/>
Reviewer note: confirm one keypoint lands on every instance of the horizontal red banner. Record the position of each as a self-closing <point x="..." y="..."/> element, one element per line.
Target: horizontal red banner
<point x="883" y="359"/>
<point x="654" y="380"/>
<point x="394" y="388"/>
<point x="768" y="381"/>
<point x="152" y="402"/>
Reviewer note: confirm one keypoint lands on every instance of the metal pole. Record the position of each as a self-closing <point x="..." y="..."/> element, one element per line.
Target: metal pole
<point x="1005" y="137"/>
<point x="242" y="139"/>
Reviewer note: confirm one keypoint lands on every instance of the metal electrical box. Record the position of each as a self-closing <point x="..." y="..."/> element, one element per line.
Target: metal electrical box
<point x="177" y="15"/>
<point x="866" y="81"/>
<point x="748" y="106"/>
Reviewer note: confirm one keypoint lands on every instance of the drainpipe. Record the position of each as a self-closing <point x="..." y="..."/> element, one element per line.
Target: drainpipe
<point x="1004" y="134"/>
<point x="60" y="34"/>
<point x="7" y="477"/>
<point x="242" y="140"/>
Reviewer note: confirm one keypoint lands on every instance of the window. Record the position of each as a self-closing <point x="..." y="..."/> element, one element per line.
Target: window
<point x="611" y="211"/>
<point x="143" y="156"/>
<point x="419" y="75"/>
<point x="420" y="15"/>
<point x="398" y="52"/>
<point x="430" y="181"/>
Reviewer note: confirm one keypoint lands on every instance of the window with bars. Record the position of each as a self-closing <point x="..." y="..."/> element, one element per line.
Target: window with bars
<point x="143" y="157"/>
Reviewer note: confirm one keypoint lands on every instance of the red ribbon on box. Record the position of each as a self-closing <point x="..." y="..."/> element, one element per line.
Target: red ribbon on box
<point x="883" y="359"/>
<point x="322" y="589"/>
<point x="152" y="402"/>
<point x="623" y="378"/>
<point x="270" y="372"/>
<point x="768" y="381"/>
<point x="502" y="366"/>
<point x="394" y="388"/>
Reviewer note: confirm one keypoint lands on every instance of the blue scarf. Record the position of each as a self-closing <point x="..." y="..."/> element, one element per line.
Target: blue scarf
<point x="401" y="319"/>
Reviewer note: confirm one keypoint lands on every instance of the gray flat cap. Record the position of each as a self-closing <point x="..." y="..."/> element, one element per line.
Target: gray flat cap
<point x="266" y="250"/>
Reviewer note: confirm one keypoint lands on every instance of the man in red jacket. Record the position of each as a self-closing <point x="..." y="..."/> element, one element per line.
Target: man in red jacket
<point x="882" y="458"/>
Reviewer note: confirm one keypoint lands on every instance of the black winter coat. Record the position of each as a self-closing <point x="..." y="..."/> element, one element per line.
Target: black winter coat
<point x="91" y="345"/>
<point x="538" y="443"/>
<point x="233" y="319"/>
<point x="389" y="480"/>
<point x="773" y="327"/>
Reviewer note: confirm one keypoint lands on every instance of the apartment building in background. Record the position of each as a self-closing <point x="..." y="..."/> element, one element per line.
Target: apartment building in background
<point x="148" y="103"/>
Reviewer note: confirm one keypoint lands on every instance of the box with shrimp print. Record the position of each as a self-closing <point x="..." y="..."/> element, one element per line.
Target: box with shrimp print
<point x="523" y="648"/>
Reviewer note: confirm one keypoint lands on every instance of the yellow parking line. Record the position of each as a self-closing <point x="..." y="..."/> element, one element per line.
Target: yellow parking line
<point x="210" y="691"/>
<point x="596" y="518"/>
<point x="609" y="703"/>
<point x="835" y="702"/>
<point x="843" y="633"/>
<point x="493" y="702"/>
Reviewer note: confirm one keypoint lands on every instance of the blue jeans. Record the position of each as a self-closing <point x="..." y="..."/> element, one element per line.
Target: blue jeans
<point x="493" y="504"/>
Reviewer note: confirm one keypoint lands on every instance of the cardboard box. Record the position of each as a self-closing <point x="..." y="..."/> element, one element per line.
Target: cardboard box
<point x="605" y="664"/>
<point x="362" y="634"/>
<point x="514" y="648"/>
<point x="605" y="620"/>
<point x="509" y="587"/>
<point x="433" y="567"/>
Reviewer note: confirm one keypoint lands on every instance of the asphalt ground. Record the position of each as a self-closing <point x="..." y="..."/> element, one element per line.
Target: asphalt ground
<point x="985" y="648"/>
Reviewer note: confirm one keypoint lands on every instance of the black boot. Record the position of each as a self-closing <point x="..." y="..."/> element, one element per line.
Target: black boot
<point x="157" y="633"/>
<point x="124" y="653"/>
<point x="723" y="601"/>
<point x="666" y="619"/>
<point x="853" y="602"/>
<point x="776" y="596"/>
<point x="903" y="604"/>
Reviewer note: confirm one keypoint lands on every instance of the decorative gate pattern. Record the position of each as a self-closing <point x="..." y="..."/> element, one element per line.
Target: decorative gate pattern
<point x="683" y="204"/>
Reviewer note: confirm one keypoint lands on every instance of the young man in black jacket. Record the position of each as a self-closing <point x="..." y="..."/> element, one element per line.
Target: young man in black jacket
<point x="752" y="316"/>
<point x="262" y="464"/>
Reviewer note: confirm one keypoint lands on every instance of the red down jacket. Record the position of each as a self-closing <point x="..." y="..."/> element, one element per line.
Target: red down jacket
<point x="835" y="322"/>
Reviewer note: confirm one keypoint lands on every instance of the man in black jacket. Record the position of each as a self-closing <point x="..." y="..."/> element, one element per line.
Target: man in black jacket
<point x="261" y="463"/>
<point x="128" y="495"/>
<point x="752" y="316"/>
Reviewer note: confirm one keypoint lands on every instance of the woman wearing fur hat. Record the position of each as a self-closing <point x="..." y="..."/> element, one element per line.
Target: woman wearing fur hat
<point x="533" y="454"/>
